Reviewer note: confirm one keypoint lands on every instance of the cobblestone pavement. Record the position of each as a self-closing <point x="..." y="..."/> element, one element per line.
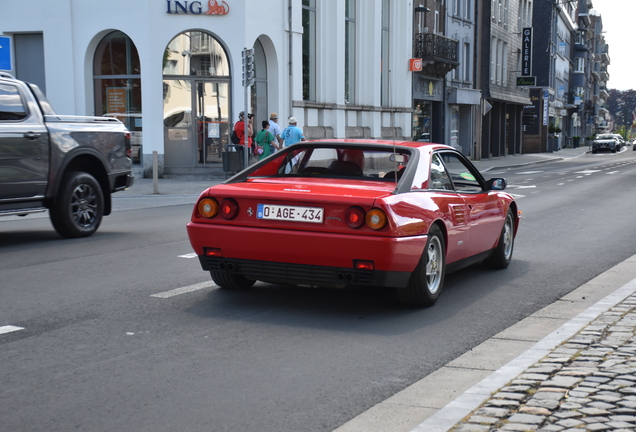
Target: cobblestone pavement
<point x="588" y="383"/>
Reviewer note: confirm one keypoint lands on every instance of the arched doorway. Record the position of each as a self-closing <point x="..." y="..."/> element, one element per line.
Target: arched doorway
<point x="196" y="100"/>
<point x="117" y="81"/>
<point x="259" y="96"/>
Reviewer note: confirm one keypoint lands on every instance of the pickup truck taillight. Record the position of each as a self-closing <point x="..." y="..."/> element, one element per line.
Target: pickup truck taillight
<point x="128" y="145"/>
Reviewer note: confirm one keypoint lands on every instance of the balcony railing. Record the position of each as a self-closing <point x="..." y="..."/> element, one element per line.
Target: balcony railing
<point x="438" y="53"/>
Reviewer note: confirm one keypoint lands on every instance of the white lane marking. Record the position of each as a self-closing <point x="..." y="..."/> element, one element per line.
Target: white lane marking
<point x="587" y="172"/>
<point x="560" y="184"/>
<point x="529" y="172"/>
<point x="9" y="329"/>
<point x="184" y="290"/>
<point x="522" y="186"/>
<point x="190" y="255"/>
<point x="612" y="172"/>
<point x="517" y="196"/>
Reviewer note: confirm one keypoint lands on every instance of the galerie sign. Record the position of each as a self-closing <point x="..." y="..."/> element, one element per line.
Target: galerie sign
<point x="526" y="52"/>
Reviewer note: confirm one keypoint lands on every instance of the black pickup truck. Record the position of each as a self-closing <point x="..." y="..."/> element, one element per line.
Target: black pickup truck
<point x="69" y="165"/>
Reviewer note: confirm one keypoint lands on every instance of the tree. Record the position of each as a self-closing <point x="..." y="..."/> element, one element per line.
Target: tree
<point x="621" y="105"/>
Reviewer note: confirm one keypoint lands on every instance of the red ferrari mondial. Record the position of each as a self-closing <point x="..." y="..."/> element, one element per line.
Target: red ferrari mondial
<point x="352" y="213"/>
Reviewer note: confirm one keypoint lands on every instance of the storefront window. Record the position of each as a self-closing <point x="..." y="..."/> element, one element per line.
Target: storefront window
<point x="196" y="100"/>
<point x="117" y="80"/>
<point x="422" y="121"/>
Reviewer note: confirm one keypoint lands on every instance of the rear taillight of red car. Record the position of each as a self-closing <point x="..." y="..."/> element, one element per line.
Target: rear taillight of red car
<point x="228" y="208"/>
<point x="209" y="208"/>
<point x="356" y="217"/>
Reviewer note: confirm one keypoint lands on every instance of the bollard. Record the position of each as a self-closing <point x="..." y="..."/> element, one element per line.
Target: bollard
<point x="155" y="172"/>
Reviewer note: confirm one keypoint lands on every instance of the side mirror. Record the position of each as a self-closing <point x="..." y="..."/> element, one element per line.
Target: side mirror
<point x="497" y="183"/>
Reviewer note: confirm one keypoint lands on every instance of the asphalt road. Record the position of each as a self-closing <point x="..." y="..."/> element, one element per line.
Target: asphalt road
<point x="123" y="331"/>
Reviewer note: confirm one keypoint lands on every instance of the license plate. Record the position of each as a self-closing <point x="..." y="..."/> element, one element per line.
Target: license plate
<point x="290" y="213"/>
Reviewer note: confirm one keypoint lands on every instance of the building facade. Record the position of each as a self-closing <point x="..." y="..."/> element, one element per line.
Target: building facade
<point x="599" y="119"/>
<point x="499" y="63"/>
<point x="172" y="69"/>
<point x="463" y="114"/>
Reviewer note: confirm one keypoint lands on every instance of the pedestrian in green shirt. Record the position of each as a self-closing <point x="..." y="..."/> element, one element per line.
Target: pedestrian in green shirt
<point x="266" y="141"/>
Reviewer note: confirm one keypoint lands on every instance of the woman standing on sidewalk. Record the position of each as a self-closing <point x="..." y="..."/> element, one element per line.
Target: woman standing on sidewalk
<point x="265" y="140"/>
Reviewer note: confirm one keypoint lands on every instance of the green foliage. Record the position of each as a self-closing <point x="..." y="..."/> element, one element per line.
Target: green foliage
<point x="621" y="105"/>
<point x="623" y="131"/>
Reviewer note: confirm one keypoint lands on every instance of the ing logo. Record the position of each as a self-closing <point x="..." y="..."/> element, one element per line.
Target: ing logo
<point x="214" y="8"/>
<point x="196" y="7"/>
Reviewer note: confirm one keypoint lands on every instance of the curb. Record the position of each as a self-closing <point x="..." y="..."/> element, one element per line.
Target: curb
<point x="485" y="392"/>
<point x="519" y="165"/>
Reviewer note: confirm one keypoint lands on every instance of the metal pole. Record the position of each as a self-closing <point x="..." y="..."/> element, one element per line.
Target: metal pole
<point x="155" y="172"/>
<point x="245" y="136"/>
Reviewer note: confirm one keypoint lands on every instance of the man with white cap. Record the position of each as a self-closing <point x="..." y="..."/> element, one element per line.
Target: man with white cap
<point x="292" y="133"/>
<point x="274" y="129"/>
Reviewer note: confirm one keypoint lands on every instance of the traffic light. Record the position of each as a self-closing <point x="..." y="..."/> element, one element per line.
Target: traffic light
<point x="248" y="67"/>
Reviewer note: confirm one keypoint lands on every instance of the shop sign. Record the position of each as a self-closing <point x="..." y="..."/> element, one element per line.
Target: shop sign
<point x="545" y="108"/>
<point x="116" y="100"/>
<point x="5" y="53"/>
<point x="415" y="64"/>
<point x="526" y="81"/>
<point x="526" y="52"/>
<point x="196" y="7"/>
<point x="424" y="88"/>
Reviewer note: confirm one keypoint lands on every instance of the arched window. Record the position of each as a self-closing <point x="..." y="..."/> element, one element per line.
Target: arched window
<point x="117" y="80"/>
<point x="195" y="53"/>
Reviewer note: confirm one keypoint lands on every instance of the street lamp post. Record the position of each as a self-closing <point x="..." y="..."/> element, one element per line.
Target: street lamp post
<point x="421" y="9"/>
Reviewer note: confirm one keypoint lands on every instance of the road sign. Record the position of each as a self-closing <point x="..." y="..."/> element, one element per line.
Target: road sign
<point x="5" y="53"/>
<point x="485" y="107"/>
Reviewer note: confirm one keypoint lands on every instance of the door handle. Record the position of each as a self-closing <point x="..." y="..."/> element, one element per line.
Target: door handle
<point x="32" y="135"/>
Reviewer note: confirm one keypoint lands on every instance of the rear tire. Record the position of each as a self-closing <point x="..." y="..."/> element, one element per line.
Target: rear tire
<point x="502" y="255"/>
<point x="426" y="282"/>
<point x="231" y="281"/>
<point x="79" y="206"/>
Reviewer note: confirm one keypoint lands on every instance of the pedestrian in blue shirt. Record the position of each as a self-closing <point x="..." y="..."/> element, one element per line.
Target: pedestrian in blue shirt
<point x="292" y="133"/>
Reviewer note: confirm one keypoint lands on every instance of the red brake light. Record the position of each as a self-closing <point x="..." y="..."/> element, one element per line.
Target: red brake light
<point x="355" y="217"/>
<point x="363" y="265"/>
<point x="228" y="208"/>
<point x="213" y="252"/>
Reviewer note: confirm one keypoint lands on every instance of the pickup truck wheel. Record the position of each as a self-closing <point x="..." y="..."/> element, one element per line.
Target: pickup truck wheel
<point x="79" y="207"/>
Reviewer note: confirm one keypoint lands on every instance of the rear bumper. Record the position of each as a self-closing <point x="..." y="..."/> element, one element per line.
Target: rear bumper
<point x="307" y="257"/>
<point x="282" y="273"/>
<point x="121" y="181"/>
